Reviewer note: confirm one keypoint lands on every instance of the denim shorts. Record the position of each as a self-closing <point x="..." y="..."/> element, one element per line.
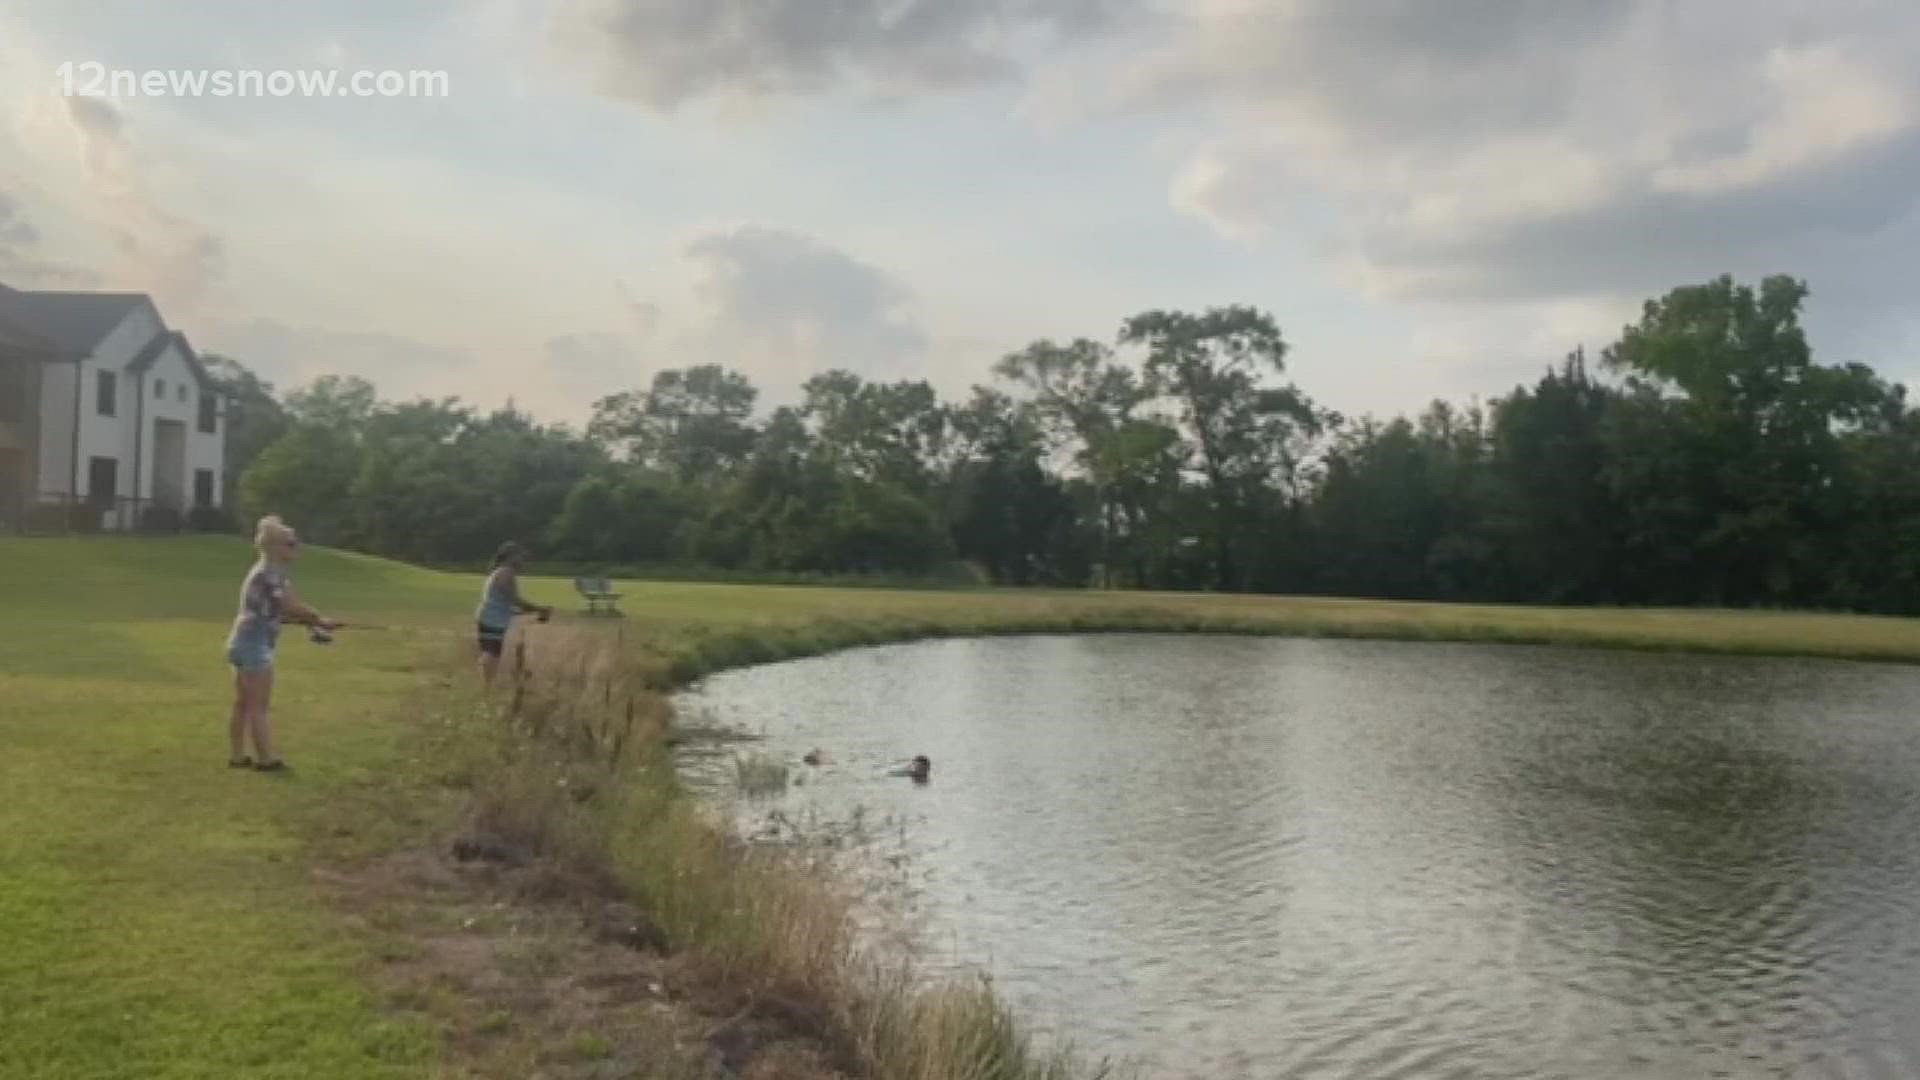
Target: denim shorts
<point x="492" y="638"/>
<point x="250" y="654"/>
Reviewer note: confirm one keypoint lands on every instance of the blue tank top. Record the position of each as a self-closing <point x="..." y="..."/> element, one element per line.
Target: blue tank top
<point x="496" y="602"/>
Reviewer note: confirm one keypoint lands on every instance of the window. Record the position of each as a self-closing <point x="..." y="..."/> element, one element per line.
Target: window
<point x="209" y="413"/>
<point x="103" y="479"/>
<point x="202" y="488"/>
<point x="106" y="393"/>
<point x="182" y="392"/>
<point x="159" y="388"/>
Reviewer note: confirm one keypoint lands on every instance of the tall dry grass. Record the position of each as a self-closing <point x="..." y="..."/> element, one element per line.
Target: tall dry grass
<point x="569" y="759"/>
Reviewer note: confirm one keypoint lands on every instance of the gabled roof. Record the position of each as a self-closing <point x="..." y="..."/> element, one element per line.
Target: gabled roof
<point x="19" y="333"/>
<point x="150" y="353"/>
<point x="18" y="340"/>
<point x="75" y="321"/>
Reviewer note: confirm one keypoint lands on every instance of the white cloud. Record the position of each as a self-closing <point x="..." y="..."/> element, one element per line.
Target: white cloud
<point x="776" y="305"/>
<point x="293" y="355"/>
<point x="1493" y="150"/>
<point x="773" y="297"/>
<point x="1480" y="179"/>
<point x="178" y="259"/>
<point x="1828" y="106"/>
<point x="589" y="365"/>
<point x="79" y="159"/>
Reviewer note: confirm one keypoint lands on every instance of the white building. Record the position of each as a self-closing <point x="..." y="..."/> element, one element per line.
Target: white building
<point x="127" y="419"/>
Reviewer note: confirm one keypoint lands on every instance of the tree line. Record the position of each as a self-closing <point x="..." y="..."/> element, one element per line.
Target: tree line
<point x="1704" y="458"/>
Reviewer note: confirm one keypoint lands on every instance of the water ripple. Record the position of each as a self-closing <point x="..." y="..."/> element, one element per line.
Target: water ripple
<point x="1334" y="860"/>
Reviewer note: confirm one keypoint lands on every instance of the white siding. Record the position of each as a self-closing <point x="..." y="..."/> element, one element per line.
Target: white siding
<point x="113" y="436"/>
<point x="128" y="435"/>
<point x="208" y="452"/>
<point x="140" y="326"/>
<point x="107" y="436"/>
<point x="179" y="401"/>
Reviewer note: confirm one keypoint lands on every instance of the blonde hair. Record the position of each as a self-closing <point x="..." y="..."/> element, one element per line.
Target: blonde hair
<point x="271" y="530"/>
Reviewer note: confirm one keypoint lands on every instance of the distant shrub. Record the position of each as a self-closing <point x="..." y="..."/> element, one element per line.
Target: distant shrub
<point x="211" y="519"/>
<point x="161" y="520"/>
<point x="62" y="517"/>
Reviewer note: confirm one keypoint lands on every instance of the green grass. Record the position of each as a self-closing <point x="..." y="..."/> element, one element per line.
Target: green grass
<point x="159" y="915"/>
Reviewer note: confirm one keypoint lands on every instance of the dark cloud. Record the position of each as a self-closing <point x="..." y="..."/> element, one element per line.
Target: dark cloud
<point x="23" y="260"/>
<point x="169" y="255"/>
<point x="664" y="53"/>
<point x="95" y="117"/>
<point x="778" y="295"/>
<point x="1400" y="69"/>
<point x="1847" y="225"/>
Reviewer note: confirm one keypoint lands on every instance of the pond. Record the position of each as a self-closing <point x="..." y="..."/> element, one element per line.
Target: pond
<point x="1241" y="857"/>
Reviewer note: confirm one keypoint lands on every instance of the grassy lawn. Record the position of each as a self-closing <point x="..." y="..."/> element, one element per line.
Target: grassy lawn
<point x="156" y="910"/>
<point x="159" y="915"/>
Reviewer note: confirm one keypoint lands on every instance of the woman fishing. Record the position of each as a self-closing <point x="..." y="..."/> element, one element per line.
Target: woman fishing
<point x="266" y="600"/>
<point x="500" y="601"/>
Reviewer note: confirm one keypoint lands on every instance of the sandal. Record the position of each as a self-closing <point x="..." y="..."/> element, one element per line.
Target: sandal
<point x="276" y="765"/>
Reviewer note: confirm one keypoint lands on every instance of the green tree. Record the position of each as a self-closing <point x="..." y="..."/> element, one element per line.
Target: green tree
<point x="340" y="403"/>
<point x="692" y="424"/>
<point x="1005" y="512"/>
<point x="1215" y="366"/>
<point x="882" y="432"/>
<point x="253" y="418"/>
<point x="1377" y="512"/>
<point x="1091" y="409"/>
<point x="1723" y="382"/>
<point x="624" y="517"/>
<point x="306" y="477"/>
<point x="1553" y="515"/>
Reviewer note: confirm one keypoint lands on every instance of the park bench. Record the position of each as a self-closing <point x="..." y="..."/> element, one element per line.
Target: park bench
<point x="598" y="593"/>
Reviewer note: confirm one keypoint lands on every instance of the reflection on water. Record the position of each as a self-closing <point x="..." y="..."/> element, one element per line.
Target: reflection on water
<point x="1267" y="858"/>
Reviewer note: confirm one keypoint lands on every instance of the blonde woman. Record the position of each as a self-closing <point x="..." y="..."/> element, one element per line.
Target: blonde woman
<point x="266" y="600"/>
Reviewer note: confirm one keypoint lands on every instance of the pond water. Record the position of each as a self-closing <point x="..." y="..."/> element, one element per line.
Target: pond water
<point x="1228" y="857"/>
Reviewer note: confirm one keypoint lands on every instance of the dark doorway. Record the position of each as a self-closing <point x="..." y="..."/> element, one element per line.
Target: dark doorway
<point x="13" y="487"/>
<point x="103" y="480"/>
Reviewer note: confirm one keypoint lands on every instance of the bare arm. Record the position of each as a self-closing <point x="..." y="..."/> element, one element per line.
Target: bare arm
<point x="520" y="603"/>
<point x="295" y="610"/>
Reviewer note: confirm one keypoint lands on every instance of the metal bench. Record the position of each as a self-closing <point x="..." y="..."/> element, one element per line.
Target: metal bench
<point x="599" y="594"/>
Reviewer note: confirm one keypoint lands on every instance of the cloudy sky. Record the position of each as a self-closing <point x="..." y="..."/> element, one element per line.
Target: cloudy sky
<point x="1433" y="197"/>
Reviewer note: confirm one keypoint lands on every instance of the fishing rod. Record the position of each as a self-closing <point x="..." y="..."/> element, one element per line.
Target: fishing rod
<point x="324" y="636"/>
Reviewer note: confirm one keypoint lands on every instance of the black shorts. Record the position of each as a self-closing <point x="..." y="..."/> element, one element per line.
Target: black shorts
<point x="491" y="638"/>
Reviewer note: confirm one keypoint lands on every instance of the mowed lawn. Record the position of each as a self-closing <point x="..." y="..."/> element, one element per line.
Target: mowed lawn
<point x="158" y="917"/>
<point x="159" y="912"/>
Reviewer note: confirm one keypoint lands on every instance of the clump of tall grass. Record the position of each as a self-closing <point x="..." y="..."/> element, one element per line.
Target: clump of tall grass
<point x="959" y="1031"/>
<point x="760" y="774"/>
<point x="569" y="759"/>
